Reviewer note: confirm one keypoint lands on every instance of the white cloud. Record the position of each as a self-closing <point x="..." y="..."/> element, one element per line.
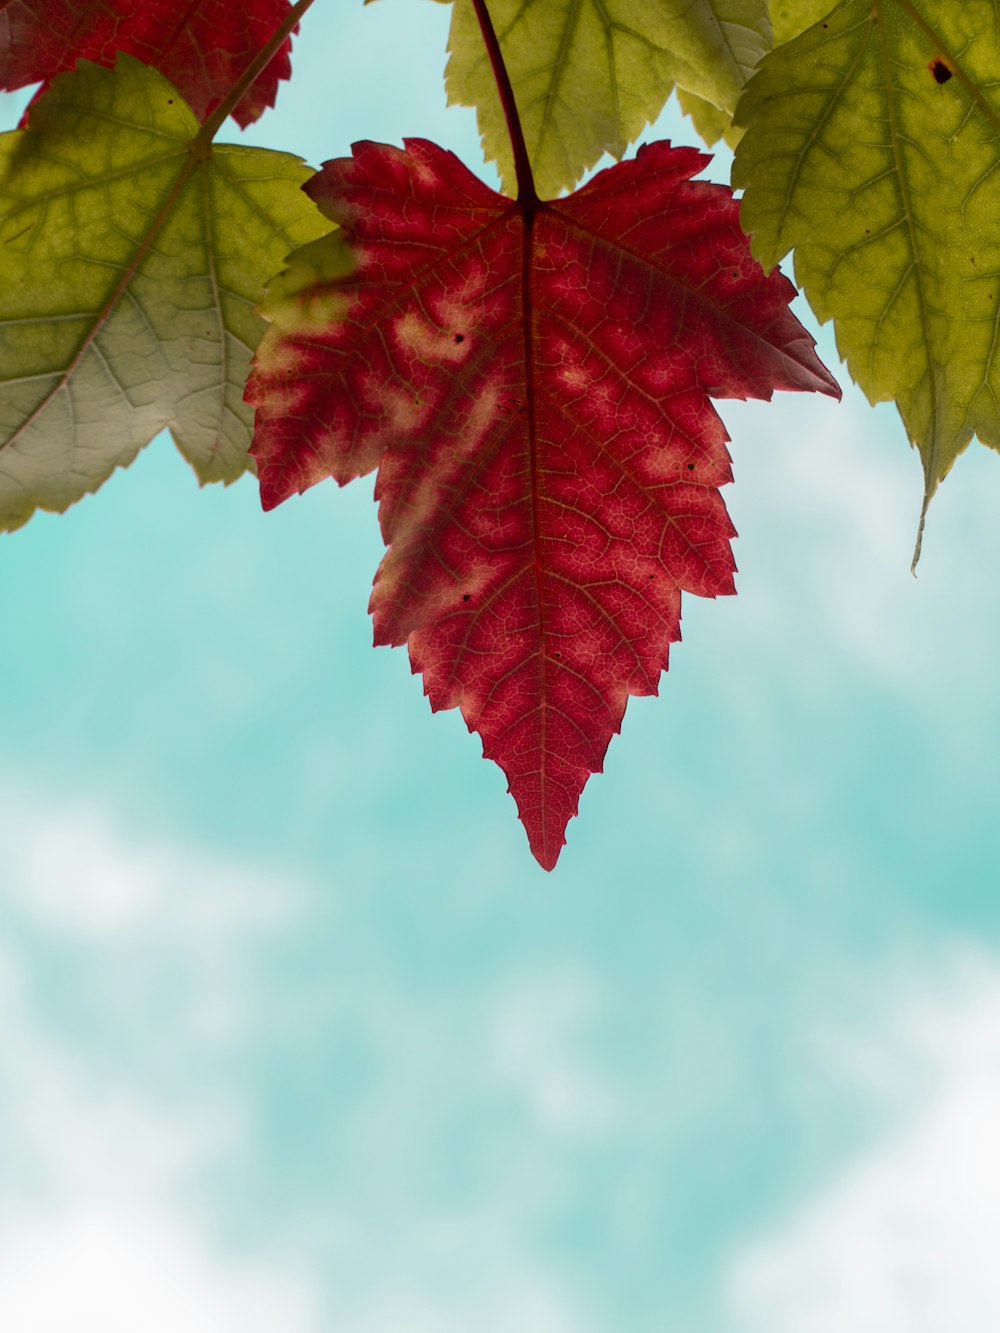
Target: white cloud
<point x="89" y="1269"/>
<point x="102" y="1226"/>
<point x="904" y="1241"/>
<point x="163" y="933"/>
<point x="75" y="871"/>
<point x="98" y="1229"/>
<point x="114" y="1127"/>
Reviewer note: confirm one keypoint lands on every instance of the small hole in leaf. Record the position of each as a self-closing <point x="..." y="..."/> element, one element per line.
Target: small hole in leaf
<point x="652" y="576"/>
<point x="557" y="654"/>
<point x="690" y="467"/>
<point x="940" y="70"/>
<point x="466" y="596"/>
<point x="460" y="337"/>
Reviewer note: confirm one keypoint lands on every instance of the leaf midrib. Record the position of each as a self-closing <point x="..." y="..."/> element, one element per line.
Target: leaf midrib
<point x="906" y="200"/>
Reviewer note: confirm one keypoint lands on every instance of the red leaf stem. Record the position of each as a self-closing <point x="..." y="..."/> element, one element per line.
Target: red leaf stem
<point x="526" y="195"/>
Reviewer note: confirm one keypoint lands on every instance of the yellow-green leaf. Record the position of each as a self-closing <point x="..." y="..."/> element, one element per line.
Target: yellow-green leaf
<point x="873" y="149"/>
<point x="589" y="75"/>
<point x="131" y="259"/>
<point x="710" y="122"/>
<point x="790" y="17"/>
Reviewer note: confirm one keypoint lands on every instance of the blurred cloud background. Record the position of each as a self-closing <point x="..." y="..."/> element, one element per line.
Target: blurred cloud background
<point x="296" y="1035"/>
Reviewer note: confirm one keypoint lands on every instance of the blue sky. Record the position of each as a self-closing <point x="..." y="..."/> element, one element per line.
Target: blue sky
<point x="298" y="1036"/>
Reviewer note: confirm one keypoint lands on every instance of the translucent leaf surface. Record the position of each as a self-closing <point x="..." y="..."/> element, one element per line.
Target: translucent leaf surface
<point x="873" y="149"/>
<point x="590" y="74"/>
<point x="533" y="386"/>
<point x="790" y="17"/>
<point x="202" y="48"/>
<point x="711" y="122"/>
<point x="130" y="265"/>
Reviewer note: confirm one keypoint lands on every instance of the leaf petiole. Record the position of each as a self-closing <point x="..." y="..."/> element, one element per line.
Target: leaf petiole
<point x="214" y="122"/>
<point x="527" y="196"/>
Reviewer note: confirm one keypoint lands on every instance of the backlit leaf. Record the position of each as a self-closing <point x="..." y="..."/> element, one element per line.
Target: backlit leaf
<point x="589" y="75"/>
<point x="533" y="385"/>
<point x="790" y="17"/>
<point x="873" y="149"/>
<point x="202" y="48"/>
<point x="130" y="264"/>
<point x="711" y="122"/>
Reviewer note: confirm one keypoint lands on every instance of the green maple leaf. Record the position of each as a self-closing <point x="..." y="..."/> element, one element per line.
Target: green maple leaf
<point x="711" y="122"/>
<point x="790" y="17"/>
<point x="714" y="123"/>
<point x="873" y="149"/>
<point x="589" y="75"/>
<point x="131" y="259"/>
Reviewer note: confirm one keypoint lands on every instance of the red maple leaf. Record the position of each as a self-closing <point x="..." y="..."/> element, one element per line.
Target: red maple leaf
<point x="201" y="46"/>
<point x="532" y="382"/>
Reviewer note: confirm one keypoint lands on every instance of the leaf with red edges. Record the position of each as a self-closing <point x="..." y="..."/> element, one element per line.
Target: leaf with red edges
<point x="533" y="385"/>
<point x="201" y="46"/>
